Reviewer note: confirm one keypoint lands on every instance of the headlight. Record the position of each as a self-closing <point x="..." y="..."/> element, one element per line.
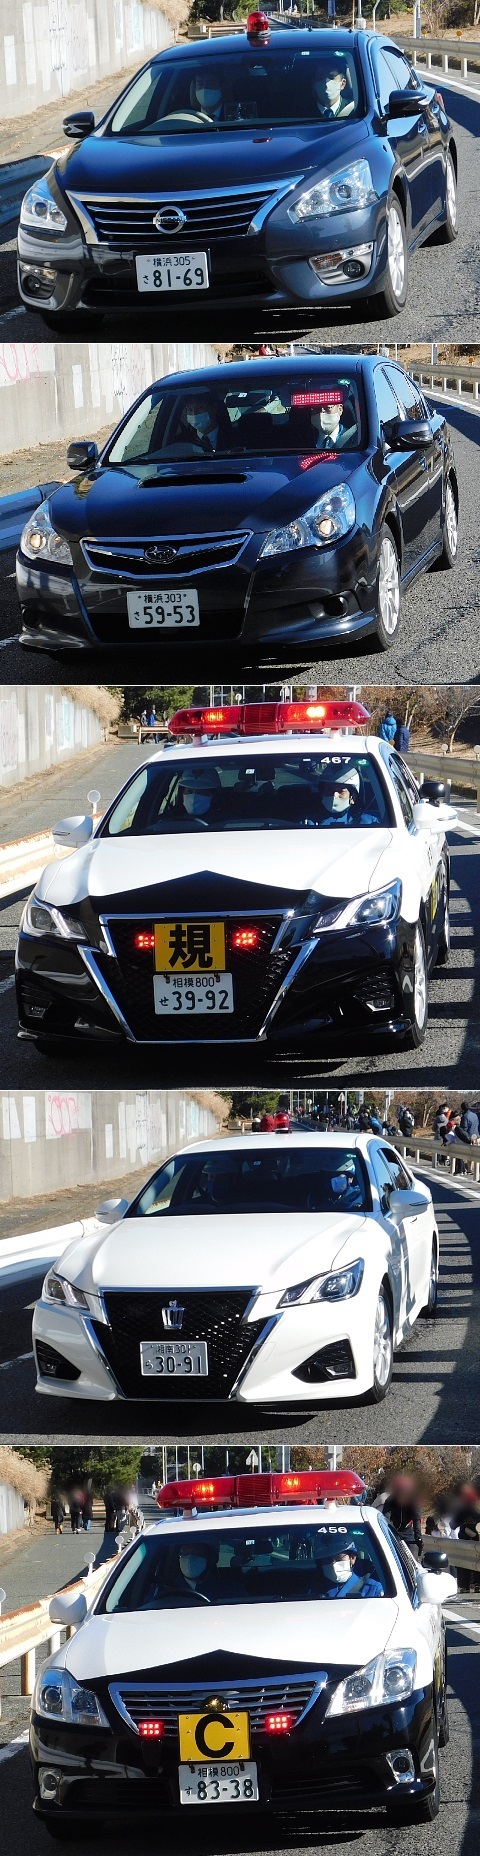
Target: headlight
<point x="389" y="1677"/>
<point x="39" y="919"/>
<point x="338" y="193"/>
<point x="337" y="1287"/>
<point x="40" y="210"/>
<point x="326" y="521"/>
<point x="361" y="911"/>
<point x="63" y="1294"/>
<point x="39" y="540"/>
<point x="58" y="1698"/>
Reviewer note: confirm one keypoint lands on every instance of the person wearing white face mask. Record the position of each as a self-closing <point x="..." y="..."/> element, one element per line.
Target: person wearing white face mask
<point x="199" y="421"/>
<point x="198" y="793"/>
<point x="337" y="1561"/>
<point x="342" y="798"/>
<point x="207" y="95"/>
<point x="331" y="90"/>
<point x="331" y="431"/>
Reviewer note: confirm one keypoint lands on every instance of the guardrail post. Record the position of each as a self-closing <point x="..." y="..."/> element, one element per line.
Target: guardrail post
<point x="54" y="1642"/>
<point x="27" y="1673"/>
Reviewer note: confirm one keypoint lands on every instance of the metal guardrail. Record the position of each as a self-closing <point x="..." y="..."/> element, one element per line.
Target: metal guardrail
<point x="454" y="769"/>
<point x="464" y="382"/>
<point x="416" y="1146"/>
<point x="23" y="1632"/>
<point x="445" y="55"/>
<point x="464" y="1554"/>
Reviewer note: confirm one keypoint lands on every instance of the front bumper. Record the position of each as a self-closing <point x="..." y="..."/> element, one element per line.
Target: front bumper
<point x="322" y="991"/>
<point x="267" y="269"/>
<point x="322" y="1764"/>
<point x="299" y="599"/>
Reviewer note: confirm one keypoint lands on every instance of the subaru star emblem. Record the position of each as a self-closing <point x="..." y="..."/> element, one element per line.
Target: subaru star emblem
<point x="172" y="1316"/>
<point x="169" y="219"/>
<point x="163" y="556"/>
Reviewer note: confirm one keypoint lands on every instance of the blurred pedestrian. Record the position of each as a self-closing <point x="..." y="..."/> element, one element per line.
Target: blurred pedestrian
<point x="76" y="1510"/>
<point x="402" y="1510"/>
<point x="57" y="1512"/>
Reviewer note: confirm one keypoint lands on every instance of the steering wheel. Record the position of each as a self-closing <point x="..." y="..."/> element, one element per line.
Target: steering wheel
<point x="187" y="116"/>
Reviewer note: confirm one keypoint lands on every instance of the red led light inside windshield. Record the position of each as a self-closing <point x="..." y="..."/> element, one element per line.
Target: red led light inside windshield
<point x="144" y="943"/>
<point x="279" y="1723"/>
<point x="326" y="396"/>
<point x="317" y="457"/>
<point x="246" y="939"/>
<point x="151" y="1730"/>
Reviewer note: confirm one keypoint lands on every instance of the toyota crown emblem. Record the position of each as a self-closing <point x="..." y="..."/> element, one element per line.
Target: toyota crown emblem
<point x="163" y="556"/>
<point x="169" y="219"/>
<point x="172" y="1316"/>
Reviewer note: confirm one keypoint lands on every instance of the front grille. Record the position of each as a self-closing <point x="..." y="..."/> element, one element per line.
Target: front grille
<point x="215" y="1316"/>
<point x="126" y="223"/>
<point x="143" y="1702"/>
<point x="256" y="978"/>
<point x="192" y="555"/>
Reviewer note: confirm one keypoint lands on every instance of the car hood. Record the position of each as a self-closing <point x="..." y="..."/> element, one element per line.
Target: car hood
<point x="271" y="1251"/>
<point x="284" y="865"/>
<point x="315" y="1634"/>
<point x="146" y="501"/>
<point x="235" y="158"/>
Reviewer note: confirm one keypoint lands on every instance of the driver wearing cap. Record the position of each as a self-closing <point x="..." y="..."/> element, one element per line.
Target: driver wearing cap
<point x="343" y="799"/>
<point x="337" y="1560"/>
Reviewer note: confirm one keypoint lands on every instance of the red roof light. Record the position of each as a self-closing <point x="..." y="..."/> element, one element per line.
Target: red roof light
<point x="258" y="26"/>
<point x="262" y="1490"/>
<point x="269" y="718"/>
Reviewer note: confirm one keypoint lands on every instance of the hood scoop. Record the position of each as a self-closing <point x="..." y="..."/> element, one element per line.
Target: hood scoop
<point x="185" y="480"/>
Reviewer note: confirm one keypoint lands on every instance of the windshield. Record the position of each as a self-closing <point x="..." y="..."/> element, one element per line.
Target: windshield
<point x="258" y="792"/>
<point x="265" y="86"/>
<point x="304" y="415"/>
<point x="250" y="1565"/>
<point x="306" y="1179"/>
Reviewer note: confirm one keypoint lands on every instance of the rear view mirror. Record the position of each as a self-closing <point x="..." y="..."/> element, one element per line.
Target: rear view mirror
<point x="429" y="817"/>
<point x="402" y="1202"/>
<point x="405" y="102"/>
<point x="72" y="833"/>
<point x="407" y="434"/>
<point x="66" y="1609"/>
<point x="78" y="124"/>
<point x="435" y="1588"/>
<point x="82" y="454"/>
<point x="111" y="1210"/>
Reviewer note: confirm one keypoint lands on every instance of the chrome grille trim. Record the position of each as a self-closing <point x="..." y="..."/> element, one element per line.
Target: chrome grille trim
<point x="229" y="212"/>
<point x="125" y="554"/>
<point x="147" y="1700"/>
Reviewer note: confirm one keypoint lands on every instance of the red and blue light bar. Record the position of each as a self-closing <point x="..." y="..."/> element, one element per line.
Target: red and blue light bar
<point x="269" y="718"/>
<point x="265" y="1490"/>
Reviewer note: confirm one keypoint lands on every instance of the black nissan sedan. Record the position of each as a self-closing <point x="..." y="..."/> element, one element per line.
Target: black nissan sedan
<point x="289" y="503"/>
<point x="277" y="170"/>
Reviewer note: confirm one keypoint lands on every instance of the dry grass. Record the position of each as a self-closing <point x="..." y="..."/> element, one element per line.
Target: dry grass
<point x="207" y="1098"/>
<point x="18" y="1473"/>
<point x="104" y="705"/>
<point x="177" y="12"/>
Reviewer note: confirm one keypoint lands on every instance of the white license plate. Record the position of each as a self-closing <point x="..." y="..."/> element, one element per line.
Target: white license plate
<point x="236" y="1782"/>
<point x="173" y="270"/>
<point x="188" y="994"/>
<point x="170" y="608"/>
<point x="167" y="1359"/>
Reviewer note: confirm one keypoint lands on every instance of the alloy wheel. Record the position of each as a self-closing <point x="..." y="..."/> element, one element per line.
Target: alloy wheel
<point x="451" y="523"/>
<point x="389" y="586"/>
<point x="419" y="982"/>
<point x="396" y="253"/>
<point x="452" y="208"/>
<point x="382" y="1342"/>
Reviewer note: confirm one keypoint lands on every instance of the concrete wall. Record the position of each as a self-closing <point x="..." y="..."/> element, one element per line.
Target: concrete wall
<point x="39" y="728"/>
<point x="68" y="1137"/>
<point x="12" y="1512"/>
<point x="49" y="48"/>
<point x="62" y="390"/>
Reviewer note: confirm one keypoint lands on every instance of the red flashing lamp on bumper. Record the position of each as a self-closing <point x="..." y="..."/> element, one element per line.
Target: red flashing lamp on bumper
<point x="270" y="1490"/>
<point x="269" y="718"/>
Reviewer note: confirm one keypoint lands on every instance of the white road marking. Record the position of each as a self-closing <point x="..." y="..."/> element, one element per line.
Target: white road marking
<point x="8" y="1752"/>
<point x="9" y="314"/>
<point x="6" y="641"/>
<point x="20" y="1356"/>
<point x="5" y="985"/>
<point x="451" y="1616"/>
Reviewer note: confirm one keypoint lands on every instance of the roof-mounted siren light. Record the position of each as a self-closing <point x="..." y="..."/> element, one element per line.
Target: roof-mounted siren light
<point x="270" y="1490"/>
<point x="270" y="718"/>
<point x="258" y="26"/>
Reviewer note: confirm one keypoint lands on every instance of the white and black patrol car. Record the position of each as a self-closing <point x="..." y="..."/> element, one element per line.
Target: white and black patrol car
<point x="274" y="882"/>
<point x="260" y="1650"/>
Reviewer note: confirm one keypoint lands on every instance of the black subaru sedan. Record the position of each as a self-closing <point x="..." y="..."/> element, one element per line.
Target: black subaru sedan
<point x="277" y="170"/>
<point x="288" y="503"/>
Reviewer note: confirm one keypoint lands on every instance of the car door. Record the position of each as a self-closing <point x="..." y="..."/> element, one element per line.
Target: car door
<point x="426" y="863"/>
<point x="407" y="472"/>
<point x="414" y="406"/>
<point x="417" y="1226"/>
<point x="412" y="138"/>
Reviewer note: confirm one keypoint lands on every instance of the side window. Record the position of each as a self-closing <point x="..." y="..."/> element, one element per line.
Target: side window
<point x="403" y="74"/>
<point x="386" y="82"/>
<point x="403" y="1560"/>
<point x="402" y="795"/>
<point x="401" y="1178"/>
<point x="385" y="398"/>
<point x="411" y="400"/>
<point x="408" y="779"/>
<point x="383" y="1176"/>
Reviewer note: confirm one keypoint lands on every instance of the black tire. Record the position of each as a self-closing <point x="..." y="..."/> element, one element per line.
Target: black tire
<point x="394" y="294"/>
<point x="384" y="1320"/>
<point x="444" y="1721"/>
<point x="388" y="593"/>
<point x="449" y="230"/>
<point x="417" y="1028"/>
<point x="448" y="556"/>
<point x="443" y="949"/>
<point x="430" y="1309"/>
<point x="404" y="1811"/>
<point x="67" y="1832"/>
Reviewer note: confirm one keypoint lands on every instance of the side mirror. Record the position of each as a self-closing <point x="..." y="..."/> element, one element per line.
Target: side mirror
<point x="73" y="833"/>
<point x="433" y="1561"/>
<point x="407" y="434"/>
<point x="111" y="1210"/>
<point x="82" y="454"/>
<point x="67" y="1610"/>
<point x="78" y="124"/>
<point x="427" y="817"/>
<point x="411" y="1201"/>
<point x="435" y="1588"/>
<point x="405" y="102"/>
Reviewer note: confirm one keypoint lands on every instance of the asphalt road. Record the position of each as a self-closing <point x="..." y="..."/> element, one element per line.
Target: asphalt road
<point x="442" y="298"/>
<point x="455" y="1832"/>
<point x="438" y="643"/>
<point x="433" y="1397"/>
<point x="450" y="1056"/>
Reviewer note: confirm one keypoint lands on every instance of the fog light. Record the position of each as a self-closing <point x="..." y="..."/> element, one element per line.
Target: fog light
<point x="402" y="1765"/>
<point x="334" y="266"/>
<point x="34" y="1011"/>
<point x="38" y="280"/>
<point x="48" y="1783"/>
